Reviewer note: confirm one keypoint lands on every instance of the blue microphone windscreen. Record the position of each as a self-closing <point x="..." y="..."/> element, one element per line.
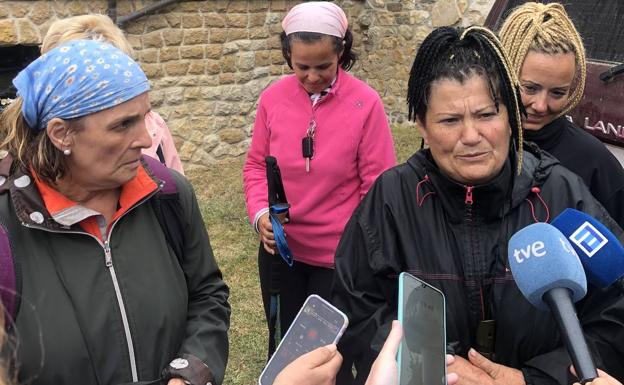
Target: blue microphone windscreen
<point x="600" y="251"/>
<point x="541" y="258"/>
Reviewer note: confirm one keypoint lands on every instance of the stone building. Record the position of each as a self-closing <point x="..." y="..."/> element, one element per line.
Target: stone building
<point x="209" y="60"/>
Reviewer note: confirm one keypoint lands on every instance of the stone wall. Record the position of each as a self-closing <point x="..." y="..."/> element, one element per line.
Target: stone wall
<point x="209" y="60"/>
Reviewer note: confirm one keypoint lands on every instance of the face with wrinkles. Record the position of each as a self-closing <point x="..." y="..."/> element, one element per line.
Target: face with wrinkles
<point x="106" y="147"/>
<point x="467" y="136"/>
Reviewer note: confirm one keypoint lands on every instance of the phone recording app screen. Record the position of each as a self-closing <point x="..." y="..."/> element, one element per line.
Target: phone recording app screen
<point x="423" y="348"/>
<point x="317" y="325"/>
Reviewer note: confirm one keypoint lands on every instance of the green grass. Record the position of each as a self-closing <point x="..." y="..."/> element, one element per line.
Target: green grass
<point x="220" y="195"/>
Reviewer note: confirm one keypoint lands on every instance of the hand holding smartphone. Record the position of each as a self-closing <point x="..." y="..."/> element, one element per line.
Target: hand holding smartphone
<point x="317" y="324"/>
<point x="422" y="353"/>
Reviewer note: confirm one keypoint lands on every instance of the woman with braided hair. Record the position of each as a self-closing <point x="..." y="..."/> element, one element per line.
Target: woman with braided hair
<point x="547" y="53"/>
<point x="446" y="216"/>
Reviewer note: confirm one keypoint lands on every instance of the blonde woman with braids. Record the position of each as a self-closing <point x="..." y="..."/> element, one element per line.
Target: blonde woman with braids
<point x="102" y="28"/>
<point x="548" y="55"/>
<point x="447" y="215"/>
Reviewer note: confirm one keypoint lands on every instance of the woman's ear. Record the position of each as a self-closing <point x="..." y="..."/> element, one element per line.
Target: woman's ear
<point x="422" y="130"/>
<point x="58" y="132"/>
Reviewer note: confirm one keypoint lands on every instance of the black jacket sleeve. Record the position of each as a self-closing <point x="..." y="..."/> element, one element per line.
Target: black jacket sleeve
<point x="208" y="317"/>
<point x="365" y="285"/>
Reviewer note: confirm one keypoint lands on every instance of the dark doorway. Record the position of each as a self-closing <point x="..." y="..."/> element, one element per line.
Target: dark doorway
<point x="12" y="60"/>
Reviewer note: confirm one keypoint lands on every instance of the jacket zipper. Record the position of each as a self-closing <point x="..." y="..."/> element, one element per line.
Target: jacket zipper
<point x="122" y="308"/>
<point x="468" y="199"/>
<point x="108" y="260"/>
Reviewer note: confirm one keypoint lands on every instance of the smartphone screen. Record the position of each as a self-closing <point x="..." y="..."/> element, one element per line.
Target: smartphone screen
<point x="422" y="352"/>
<point x="317" y="324"/>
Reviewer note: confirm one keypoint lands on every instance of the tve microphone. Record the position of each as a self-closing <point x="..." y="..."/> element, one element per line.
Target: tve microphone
<point x="550" y="275"/>
<point x="600" y="251"/>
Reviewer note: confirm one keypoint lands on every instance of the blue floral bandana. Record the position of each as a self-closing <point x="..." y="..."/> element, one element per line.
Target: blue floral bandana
<point x="75" y="79"/>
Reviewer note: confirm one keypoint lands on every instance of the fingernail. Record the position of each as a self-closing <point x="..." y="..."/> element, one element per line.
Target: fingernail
<point x="472" y="352"/>
<point x="331" y="347"/>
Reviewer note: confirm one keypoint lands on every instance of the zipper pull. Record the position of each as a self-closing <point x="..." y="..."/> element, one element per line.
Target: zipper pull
<point x="108" y="257"/>
<point x="468" y="199"/>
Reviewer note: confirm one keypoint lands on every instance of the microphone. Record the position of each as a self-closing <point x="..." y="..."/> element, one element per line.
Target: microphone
<point x="600" y="251"/>
<point x="550" y="276"/>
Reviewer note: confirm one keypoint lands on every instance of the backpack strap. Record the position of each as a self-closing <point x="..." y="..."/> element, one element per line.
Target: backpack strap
<point x="167" y="207"/>
<point x="8" y="278"/>
<point x="10" y="284"/>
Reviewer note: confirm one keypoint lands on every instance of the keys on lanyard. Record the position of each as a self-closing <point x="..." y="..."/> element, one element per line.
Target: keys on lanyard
<point x="307" y="144"/>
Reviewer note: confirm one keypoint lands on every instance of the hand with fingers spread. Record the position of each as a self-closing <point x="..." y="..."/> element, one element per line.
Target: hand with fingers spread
<point x="467" y="373"/>
<point x="478" y="370"/>
<point x="451" y="377"/>
<point x="318" y="367"/>
<point x="500" y="374"/>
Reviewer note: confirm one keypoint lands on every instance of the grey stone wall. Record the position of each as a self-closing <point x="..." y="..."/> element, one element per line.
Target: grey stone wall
<point x="209" y="60"/>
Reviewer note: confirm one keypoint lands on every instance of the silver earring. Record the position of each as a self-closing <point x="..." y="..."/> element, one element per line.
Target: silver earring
<point x="67" y="152"/>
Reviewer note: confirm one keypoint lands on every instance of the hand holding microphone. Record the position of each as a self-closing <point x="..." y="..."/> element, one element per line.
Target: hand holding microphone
<point x="550" y="275"/>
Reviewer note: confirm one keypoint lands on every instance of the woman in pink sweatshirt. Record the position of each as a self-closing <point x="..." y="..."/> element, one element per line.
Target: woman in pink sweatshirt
<point x="345" y="120"/>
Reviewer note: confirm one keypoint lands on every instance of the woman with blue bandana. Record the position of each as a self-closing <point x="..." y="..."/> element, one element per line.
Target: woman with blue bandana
<point x="104" y="297"/>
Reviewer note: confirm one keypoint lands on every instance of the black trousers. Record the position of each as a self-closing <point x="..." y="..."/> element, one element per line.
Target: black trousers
<point x="294" y="285"/>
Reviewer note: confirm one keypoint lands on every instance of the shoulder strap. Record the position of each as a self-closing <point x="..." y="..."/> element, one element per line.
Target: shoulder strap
<point x="167" y="207"/>
<point x="10" y="284"/>
<point x="9" y="290"/>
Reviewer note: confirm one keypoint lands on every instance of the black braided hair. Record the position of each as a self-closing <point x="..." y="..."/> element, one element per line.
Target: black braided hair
<point x="458" y="54"/>
<point x="346" y="60"/>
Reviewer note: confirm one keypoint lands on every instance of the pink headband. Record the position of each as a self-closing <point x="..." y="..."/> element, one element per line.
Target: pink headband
<point x="316" y="16"/>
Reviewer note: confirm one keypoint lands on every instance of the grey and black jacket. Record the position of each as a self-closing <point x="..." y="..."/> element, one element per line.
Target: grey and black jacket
<point x="115" y="311"/>
<point x="455" y="237"/>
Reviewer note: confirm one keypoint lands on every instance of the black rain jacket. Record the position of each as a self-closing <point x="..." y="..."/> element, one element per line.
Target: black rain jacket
<point x="455" y="237"/>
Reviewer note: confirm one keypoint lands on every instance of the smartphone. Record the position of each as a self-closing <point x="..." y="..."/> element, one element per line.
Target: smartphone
<point x="422" y="353"/>
<point x="317" y="324"/>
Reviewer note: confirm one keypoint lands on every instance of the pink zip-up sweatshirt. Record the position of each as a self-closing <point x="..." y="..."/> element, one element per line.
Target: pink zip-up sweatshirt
<point x="352" y="146"/>
<point x="161" y="136"/>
